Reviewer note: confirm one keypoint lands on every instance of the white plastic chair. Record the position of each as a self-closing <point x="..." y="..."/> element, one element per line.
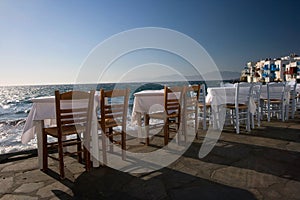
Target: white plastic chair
<point x="274" y="104"/>
<point x="292" y="101"/>
<point x="256" y="97"/>
<point x="240" y="108"/>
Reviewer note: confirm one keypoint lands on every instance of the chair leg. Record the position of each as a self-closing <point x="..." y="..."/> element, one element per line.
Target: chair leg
<point x="61" y="159"/>
<point x="79" y="149"/>
<point x="262" y="110"/>
<point x="111" y="139"/>
<point x="293" y="108"/>
<point x="182" y="129"/>
<point x="258" y="118"/>
<point x="147" y="118"/>
<point x="104" y="154"/>
<point x="216" y="120"/>
<point x="185" y="129"/>
<point x="196" y="123"/>
<point x="269" y="113"/>
<point x="204" y="118"/>
<point x="283" y="113"/>
<point x="166" y="132"/>
<point x="45" y="152"/>
<point x="86" y="147"/>
<point x="237" y="121"/>
<point x="87" y="157"/>
<point x="123" y="138"/>
<point x="252" y="120"/>
<point x="248" y="121"/>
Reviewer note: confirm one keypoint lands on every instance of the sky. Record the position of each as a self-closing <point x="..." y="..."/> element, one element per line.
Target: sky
<point x="47" y="41"/>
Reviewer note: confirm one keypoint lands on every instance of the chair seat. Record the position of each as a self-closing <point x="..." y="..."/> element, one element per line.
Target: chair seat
<point x="274" y="101"/>
<point x="163" y="115"/>
<point x="66" y="130"/>
<point x="111" y="123"/>
<point x="232" y="106"/>
<point x="201" y="105"/>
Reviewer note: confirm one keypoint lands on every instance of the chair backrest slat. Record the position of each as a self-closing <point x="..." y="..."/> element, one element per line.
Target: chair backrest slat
<point x="74" y="110"/>
<point x="79" y="111"/>
<point x="69" y="122"/>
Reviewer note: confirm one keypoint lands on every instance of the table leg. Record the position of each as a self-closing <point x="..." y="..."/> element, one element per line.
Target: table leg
<point x="95" y="143"/>
<point x="39" y="125"/>
<point x="146" y="123"/>
<point x="139" y="123"/>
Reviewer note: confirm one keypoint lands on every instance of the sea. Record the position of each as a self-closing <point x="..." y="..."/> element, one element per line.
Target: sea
<point x="15" y="105"/>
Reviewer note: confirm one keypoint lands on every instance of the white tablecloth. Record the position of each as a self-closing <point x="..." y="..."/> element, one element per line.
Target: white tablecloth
<point x="42" y="109"/>
<point x="147" y="101"/>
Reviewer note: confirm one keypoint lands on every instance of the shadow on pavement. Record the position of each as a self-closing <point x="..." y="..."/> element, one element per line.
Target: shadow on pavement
<point x="107" y="183"/>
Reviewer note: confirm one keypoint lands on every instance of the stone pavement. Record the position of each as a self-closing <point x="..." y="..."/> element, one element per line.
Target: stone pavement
<point x="262" y="164"/>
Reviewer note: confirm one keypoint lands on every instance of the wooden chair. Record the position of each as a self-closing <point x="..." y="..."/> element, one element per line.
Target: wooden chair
<point x="240" y="108"/>
<point x="74" y="110"/>
<point x="172" y="111"/>
<point x="113" y="115"/>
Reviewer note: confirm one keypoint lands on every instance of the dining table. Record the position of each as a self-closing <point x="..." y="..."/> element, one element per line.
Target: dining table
<point x="146" y="102"/>
<point x="43" y="114"/>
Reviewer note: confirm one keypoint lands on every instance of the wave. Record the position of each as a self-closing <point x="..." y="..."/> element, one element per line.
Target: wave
<point x="16" y="122"/>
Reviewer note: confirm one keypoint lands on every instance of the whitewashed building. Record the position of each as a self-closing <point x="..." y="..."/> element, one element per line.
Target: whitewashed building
<point x="270" y="70"/>
<point x="292" y="70"/>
